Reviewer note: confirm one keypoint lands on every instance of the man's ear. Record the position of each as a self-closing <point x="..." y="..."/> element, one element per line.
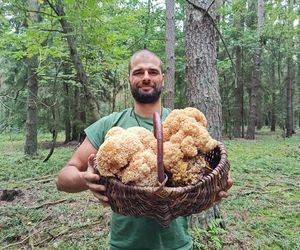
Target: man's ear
<point x="163" y="81"/>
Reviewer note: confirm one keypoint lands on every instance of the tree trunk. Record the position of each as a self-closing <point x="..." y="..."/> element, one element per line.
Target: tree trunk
<point x="202" y="80"/>
<point x="255" y="74"/>
<point x="30" y="147"/>
<point x="75" y="115"/>
<point x="289" y="99"/>
<point x="76" y="59"/>
<point x="273" y="102"/>
<point x="259" y="112"/>
<point x="147" y="23"/>
<point x="170" y="54"/>
<point x="238" y="91"/>
<point x="289" y="84"/>
<point x="67" y="108"/>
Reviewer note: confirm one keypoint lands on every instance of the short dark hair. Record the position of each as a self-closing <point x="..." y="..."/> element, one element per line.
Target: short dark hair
<point x="144" y="51"/>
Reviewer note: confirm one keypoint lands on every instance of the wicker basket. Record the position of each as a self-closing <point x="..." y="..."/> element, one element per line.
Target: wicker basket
<point x="166" y="203"/>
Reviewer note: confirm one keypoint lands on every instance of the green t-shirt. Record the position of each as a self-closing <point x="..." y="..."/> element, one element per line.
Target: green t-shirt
<point x="128" y="232"/>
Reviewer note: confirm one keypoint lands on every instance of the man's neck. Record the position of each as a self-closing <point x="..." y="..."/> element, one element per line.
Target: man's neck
<point x="147" y="109"/>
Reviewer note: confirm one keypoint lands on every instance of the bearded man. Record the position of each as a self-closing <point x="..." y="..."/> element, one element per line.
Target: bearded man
<point x="146" y="80"/>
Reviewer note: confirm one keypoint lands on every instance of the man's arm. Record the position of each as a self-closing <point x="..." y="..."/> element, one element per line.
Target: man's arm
<point x="70" y="178"/>
<point x="79" y="173"/>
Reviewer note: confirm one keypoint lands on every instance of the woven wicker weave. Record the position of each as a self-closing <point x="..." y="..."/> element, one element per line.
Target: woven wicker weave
<point x="166" y="203"/>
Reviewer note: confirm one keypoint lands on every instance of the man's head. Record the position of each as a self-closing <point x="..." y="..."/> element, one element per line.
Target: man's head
<point x="145" y="76"/>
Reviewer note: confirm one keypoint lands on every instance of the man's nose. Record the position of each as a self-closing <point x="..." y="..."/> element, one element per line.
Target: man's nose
<point x="146" y="76"/>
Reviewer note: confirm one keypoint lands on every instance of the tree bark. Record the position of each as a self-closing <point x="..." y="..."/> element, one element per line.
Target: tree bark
<point x="273" y="102"/>
<point x="273" y="90"/>
<point x="147" y="23"/>
<point x="30" y="147"/>
<point x="75" y="136"/>
<point x="289" y="99"/>
<point x="259" y="111"/>
<point x="202" y="80"/>
<point x="289" y="85"/>
<point x="170" y="54"/>
<point x="76" y="59"/>
<point x="255" y="74"/>
<point x="67" y="108"/>
<point x="238" y="91"/>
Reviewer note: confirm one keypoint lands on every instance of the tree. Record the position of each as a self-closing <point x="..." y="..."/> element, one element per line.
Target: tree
<point x="30" y="147"/>
<point x="170" y="54"/>
<point x="201" y="73"/>
<point x="289" y="85"/>
<point x="77" y="61"/>
<point x="202" y="82"/>
<point x="238" y="111"/>
<point x="256" y="73"/>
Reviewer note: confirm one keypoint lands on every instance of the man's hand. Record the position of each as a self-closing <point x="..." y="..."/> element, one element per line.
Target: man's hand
<point x="223" y="193"/>
<point x="90" y="178"/>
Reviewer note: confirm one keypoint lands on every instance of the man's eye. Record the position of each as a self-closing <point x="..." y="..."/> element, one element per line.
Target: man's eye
<point x="137" y="73"/>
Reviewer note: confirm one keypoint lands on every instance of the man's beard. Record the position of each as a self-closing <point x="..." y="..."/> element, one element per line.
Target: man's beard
<point x="144" y="97"/>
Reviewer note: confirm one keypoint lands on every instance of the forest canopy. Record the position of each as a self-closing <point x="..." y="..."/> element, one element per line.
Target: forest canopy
<point x="68" y="61"/>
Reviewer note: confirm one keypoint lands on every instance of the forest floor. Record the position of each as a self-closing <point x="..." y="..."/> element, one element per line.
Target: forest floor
<point x="263" y="211"/>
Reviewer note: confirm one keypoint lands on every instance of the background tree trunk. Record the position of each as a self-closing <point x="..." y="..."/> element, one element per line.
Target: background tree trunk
<point x="238" y="113"/>
<point x="289" y="99"/>
<point x="273" y="102"/>
<point x="67" y="107"/>
<point x="170" y="54"/>
<point x="289" y="84"/>
<point x="30" y="147"/>
<point x="202" y="80"/>
<point x="255" y="74"/>
<point x="76" y="114"/>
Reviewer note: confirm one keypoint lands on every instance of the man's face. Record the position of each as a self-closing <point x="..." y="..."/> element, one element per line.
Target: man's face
<point x="146" y="78"/>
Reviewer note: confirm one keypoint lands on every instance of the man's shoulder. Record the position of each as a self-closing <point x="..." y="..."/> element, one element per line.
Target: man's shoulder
<point x="115" y="116"/>
<point x="96" y="132"/>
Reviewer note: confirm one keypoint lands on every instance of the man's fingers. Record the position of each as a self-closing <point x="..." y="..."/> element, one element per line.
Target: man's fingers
<point x="91" y="162"/>
<point x="90" y="177"/>
<point x="91" y="159"/>
<point x="95" y="187"/>
<point x="103" y="199"/>
<point x="223" y="194"/>
<point x="229" y="182"/>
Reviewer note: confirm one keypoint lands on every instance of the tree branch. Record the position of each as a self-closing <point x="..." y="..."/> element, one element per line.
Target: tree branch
<point x="31" y="234"/>
<point x="51" y="203"/>
<point x="35" y="11"/>
<point x="53" y="8"/>
<point x="50" y="30"/>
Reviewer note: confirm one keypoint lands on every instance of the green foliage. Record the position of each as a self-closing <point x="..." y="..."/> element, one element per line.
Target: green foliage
<point x="209" y="238"/>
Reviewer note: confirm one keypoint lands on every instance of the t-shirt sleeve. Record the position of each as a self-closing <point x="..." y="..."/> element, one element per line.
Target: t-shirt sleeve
<point x="97" y="131"/>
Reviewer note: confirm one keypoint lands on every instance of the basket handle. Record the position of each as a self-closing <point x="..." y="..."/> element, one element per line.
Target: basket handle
<point x="158" y="133"/>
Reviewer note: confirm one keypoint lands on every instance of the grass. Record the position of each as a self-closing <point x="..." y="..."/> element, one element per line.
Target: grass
<point x="263" y="211"/>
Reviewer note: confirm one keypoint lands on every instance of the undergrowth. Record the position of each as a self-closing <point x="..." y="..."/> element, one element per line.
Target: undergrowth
<point x="261" y="213"/>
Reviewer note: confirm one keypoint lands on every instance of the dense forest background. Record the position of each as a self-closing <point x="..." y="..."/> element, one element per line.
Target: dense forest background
<point x="64" y="62"/>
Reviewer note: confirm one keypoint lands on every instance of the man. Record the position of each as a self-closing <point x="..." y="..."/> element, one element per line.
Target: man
<point x="146" y="80"/>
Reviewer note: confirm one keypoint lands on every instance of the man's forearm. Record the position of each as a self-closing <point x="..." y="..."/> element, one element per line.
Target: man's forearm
<point x="70" y="180"/>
